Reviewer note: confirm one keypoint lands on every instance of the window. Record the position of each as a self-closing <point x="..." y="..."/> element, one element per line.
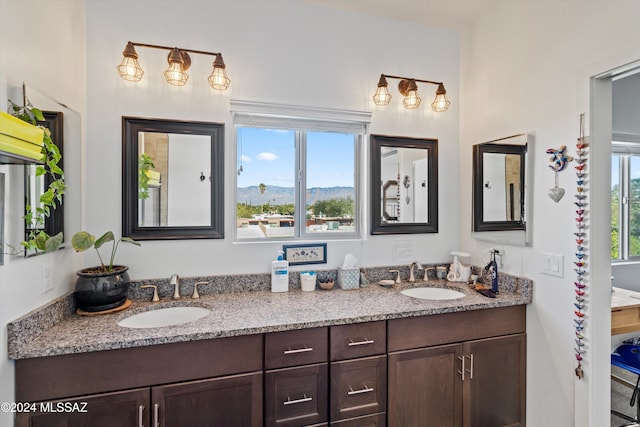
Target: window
<point x="625" y="204"/>
<point x="297" y="177"/>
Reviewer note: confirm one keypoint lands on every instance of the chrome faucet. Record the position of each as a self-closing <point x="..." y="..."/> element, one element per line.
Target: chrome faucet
<point x="175" y="281"/>
<point x="412" y="277"/>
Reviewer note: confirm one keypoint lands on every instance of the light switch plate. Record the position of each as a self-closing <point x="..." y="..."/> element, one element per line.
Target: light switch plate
<point x="552" y="264"/>
<point x="46" y="275"/>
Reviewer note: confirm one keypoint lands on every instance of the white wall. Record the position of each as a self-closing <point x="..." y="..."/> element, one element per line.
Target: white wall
<point x="525" y="68"/>
<point x="42" y="44"/>
<point x="278" y="51"/>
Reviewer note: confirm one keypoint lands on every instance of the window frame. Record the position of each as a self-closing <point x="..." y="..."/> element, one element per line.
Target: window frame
<point x="301" y="120"/>
<point x="625" y="151"/>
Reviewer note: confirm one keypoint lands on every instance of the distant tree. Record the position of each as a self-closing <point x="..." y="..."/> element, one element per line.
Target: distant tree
<point x="342" y="207"/>
<point x="262" y="188"/>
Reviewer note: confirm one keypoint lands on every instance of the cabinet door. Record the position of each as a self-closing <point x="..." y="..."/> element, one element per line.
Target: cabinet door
<point x="494" y="396"/>
<point x="121" y="409"/>
<point x="425" y="387"/>
<point x="296" y="396"/>
<point x="358" y="387"/>
<point x="228" y="401"/>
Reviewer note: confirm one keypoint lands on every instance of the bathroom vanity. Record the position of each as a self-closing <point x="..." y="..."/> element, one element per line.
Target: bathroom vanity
<point x="368" y="357"/>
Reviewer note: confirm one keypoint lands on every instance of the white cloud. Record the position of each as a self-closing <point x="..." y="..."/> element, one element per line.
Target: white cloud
<point x="245" y="159"/>
<point x="267" y="156"/>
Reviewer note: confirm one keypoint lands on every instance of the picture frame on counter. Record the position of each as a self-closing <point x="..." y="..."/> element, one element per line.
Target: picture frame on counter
<point x="314" y="253"/>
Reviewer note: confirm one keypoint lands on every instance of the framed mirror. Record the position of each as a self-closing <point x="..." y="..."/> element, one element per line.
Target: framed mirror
<point x="173" y="179"/>
<point x="36" y="184"/>
<point x="500" y="189"/>
<point x="404" y="185"/>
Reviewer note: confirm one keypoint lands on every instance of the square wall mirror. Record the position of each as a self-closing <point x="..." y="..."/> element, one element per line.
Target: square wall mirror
<point x="173" y="183"/>
<point x="501" y="190"/>
<point x="404" y="185"/>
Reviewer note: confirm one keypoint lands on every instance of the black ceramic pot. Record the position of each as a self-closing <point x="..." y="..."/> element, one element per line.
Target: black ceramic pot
<point x="97" y="291"/>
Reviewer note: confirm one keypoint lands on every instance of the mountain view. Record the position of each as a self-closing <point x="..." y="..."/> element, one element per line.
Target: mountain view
<point x="283" y="195"/>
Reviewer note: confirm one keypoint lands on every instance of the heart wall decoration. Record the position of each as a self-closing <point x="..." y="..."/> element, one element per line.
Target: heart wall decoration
<point x="559" y="160"/>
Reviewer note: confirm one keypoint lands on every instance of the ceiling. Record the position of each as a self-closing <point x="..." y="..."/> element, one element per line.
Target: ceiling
<point x="454" y="14"/>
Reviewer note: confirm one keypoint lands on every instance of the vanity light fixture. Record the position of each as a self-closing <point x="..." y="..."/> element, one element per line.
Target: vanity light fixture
<point x="409" y="89"/>
<point x="179" y="62"/>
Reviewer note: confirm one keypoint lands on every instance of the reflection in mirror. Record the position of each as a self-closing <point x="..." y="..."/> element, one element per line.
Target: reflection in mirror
<point x="173" y="179"/>
<point x="36" y="184"/>
<point x="404" y="185"/>
<point x="500" y="190"/>
<point x="179" y="162"/>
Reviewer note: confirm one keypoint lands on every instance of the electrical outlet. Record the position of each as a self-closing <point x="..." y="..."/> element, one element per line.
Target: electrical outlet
<point x="46" y="276"/>
<point x="552" y="264"/>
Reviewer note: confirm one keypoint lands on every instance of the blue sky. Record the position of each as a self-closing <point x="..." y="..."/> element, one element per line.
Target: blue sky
<point x="268" y="156"/>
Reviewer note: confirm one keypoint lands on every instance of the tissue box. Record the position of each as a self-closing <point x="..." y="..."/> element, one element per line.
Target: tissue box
<point x="348" y="278"/>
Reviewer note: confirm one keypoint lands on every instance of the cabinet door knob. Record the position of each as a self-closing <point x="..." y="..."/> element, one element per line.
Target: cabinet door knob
<point x="141" y="416"/>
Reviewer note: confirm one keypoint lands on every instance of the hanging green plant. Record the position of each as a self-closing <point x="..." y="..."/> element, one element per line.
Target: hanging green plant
<point x="37" y="240"/>
<point x="144" y="166"/>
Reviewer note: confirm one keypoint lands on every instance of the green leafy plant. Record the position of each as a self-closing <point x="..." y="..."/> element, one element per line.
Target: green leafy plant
<point x="144" y="166"/>
<point x="36" y="238"/>
<point x="82" y="240"/>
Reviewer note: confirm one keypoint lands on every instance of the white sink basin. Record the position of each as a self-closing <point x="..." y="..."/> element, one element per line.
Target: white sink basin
<point x="167" y="316"/>
<point x="432" y="293"/>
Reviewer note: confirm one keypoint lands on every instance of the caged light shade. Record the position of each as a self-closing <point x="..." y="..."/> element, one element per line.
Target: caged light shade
<point x="441" y="103"/>
<point x="179" y="62"/>
<point x="382" y="95"/>
<point x="218" y="78"/>
<point x="129" y="69"/>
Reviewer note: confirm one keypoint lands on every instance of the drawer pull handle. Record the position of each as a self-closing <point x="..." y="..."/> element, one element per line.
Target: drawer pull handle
<point x="366" y="389"/>
<point x="156" y="415"/>
<point x="298" y="350"/>
<point x="470" y="371"/>
<point x="141" y="416"/>
<point x="461" y="372"/>
<point x="293" y="402"/>
<point x="355" y="343"/>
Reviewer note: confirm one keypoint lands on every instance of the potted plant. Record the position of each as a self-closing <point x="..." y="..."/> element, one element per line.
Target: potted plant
<point x="105" y="286"/>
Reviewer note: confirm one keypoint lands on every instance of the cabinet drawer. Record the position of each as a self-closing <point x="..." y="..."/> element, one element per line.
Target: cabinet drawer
<point x="377" y="420"/>
<point x="358" y="387"/>
<point x="293" y="348"/>
<point x="358" y="340"/>
<point x="296" y="396"/>
<point x="426" y="331"/>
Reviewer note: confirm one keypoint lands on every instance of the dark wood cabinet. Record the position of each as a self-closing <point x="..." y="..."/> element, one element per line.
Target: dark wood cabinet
<point x="296" y="396"/>
<point x="458" y="369"/>
<point x="376" y="420"/>
<point x="228" y="401"/>
<point x="358" y="387"/>
<point x="495" y="393"/>
<point x="120" y="409"/>
<point x="424" y="386"/>
<point x="463" y="369"/>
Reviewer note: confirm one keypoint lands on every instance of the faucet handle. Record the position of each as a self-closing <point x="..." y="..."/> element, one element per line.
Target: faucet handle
<point x="397" y="275"/>
<point x="155" y="292"/>
<point x="195" y="289"/>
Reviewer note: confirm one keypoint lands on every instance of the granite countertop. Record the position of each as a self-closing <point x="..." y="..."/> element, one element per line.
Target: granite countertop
<point x="240" y="313"/>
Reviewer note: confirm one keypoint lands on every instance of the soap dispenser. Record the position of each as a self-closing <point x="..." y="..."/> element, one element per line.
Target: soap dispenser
<point x="457" y="271"/>
<point x="280" y="274"/>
